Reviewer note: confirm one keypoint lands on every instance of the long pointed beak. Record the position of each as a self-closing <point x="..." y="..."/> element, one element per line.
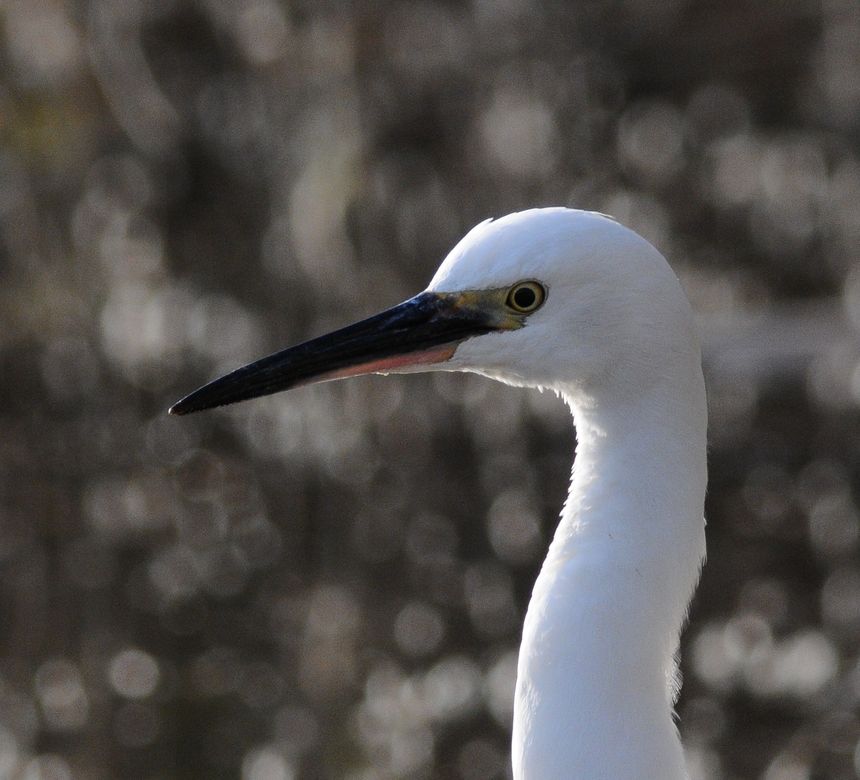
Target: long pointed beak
<point x="424" y="330"/>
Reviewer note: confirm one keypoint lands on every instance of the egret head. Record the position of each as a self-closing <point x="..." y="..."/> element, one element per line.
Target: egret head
<point x="557" y="298"/>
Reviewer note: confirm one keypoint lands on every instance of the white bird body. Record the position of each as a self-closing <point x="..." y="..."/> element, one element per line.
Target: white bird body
<point x="606" y="326"/>
<point x="597" y="671"/>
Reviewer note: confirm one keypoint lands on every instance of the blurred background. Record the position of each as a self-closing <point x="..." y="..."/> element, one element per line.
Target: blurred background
<point x="331" y="583"/>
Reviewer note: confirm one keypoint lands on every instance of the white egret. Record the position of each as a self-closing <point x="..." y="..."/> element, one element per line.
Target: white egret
<point x="574" y="302"/>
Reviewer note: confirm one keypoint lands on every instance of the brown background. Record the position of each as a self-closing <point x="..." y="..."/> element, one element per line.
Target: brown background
<point x="330" y="584"/>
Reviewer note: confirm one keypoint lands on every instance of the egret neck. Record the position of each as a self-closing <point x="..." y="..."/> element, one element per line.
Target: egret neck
<point x="597" y="670"/>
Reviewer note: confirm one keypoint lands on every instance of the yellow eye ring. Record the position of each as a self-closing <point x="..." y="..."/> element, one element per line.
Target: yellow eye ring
<point x="525" y="297"/>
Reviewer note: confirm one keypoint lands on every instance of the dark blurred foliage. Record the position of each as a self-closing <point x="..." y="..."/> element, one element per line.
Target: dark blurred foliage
<point x="330" y="583"/>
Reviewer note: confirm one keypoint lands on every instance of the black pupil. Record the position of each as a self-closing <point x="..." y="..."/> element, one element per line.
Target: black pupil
<point x="525" y="297"/>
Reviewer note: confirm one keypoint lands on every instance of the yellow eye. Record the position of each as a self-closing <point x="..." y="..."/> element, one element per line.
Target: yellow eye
<point x="525" y="297"/>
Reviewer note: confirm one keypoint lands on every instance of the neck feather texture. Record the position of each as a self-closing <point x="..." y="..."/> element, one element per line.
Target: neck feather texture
<point x="596" y="677"/>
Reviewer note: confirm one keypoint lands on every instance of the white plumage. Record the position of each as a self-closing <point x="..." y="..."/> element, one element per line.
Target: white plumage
<point x="596" y="677"/>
